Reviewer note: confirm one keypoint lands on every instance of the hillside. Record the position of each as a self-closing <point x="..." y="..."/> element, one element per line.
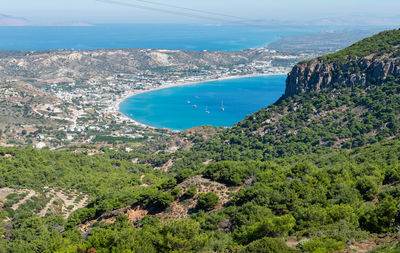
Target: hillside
<point x="27" y="113"/>
<point x="322" y="110"/>
<point x="57" y="66"/>
<point x="318" y="171"/>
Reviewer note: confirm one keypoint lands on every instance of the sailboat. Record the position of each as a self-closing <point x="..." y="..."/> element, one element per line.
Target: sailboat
<point x="207" y="111"/>
<point x="222" y="106"/>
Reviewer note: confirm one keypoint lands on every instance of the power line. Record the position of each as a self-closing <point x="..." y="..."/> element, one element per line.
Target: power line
<point x="194" y="10"/>
<point x="179" y="13"/>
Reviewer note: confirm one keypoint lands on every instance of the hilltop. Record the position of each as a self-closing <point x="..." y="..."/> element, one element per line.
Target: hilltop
<point x="370" y="61"/>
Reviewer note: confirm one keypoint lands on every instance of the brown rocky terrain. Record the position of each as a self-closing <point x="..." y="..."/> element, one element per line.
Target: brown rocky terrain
<point x="181" y="208"/>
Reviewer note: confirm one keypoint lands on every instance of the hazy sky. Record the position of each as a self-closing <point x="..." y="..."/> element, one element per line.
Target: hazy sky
<point x="93" y="11"/>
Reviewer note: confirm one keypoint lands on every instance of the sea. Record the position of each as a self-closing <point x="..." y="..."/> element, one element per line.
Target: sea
<point x="218" y="103"/>
<point x="177" y="108"/>
<point x="156" y="36"/>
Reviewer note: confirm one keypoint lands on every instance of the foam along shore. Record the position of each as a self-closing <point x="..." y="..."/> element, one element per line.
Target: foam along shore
<point x="115" y="106"/>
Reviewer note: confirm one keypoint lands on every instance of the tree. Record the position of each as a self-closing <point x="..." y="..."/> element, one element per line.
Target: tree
<point x="207" y="201"/>
<point x="190" y="192"/>
<point x="181" y="236"/>
<point x="381" y="218"/>
<point x="367" y="187"/>
<point x="268" y="245"/>
<point x="162" y="200"/>
<point x="183" y="174"/>
<point x="276" y="226"/>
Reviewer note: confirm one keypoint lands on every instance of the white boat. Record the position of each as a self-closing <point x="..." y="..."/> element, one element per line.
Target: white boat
<point x="207" y="111"/>
<point x="222" y="106"/>
<point x="188" y="102"/>
<point x="195" y="106"/>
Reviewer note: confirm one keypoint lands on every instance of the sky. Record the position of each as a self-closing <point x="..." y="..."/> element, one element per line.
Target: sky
<point x="95" y="12"/>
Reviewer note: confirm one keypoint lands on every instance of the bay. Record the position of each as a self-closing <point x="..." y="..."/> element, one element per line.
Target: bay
<point x="188" y="106"/>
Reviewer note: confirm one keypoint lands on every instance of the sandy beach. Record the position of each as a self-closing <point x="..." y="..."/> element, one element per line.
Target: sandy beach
<point x="115" y="107"/>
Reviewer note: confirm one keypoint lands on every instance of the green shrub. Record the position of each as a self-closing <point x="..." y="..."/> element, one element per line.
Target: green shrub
<point x="382" y="217"/>
<point x="175" y="192"/>
<point x="268" y="245"/>
<point x="234" y="173"/>
<point x="275" y="226"/>
<point x="183" y="174"/>
<point x="207" y="201"/>
<point x="322" y="246"/>
<point x="162" y="200"/>
<point x="367" y="187"/>
<point x="190" y="192"/>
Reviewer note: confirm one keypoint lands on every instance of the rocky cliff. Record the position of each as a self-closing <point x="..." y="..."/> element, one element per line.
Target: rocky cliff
<point x="370" y="61"/>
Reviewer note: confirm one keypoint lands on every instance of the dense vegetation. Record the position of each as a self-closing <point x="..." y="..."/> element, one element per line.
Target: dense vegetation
<point x="355" y="192"/>
<point x="320" y="170"/>
<point x="332" y="119"/>
<point x="383" y="43"/>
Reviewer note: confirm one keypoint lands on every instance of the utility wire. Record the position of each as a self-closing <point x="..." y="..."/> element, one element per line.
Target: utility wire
<point x="179" y="13"/>
<point x="194" y="10"/>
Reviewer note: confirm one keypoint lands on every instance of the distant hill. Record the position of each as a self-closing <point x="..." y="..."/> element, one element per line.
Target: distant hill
<point x="349" y="20"/>
<point x="6" y="20"/>
<point x="103" y="63"/>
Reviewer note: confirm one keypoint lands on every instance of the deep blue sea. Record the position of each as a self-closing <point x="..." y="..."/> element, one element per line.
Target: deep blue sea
<point x="163" y="36"/>
<point x="170" y="108"/>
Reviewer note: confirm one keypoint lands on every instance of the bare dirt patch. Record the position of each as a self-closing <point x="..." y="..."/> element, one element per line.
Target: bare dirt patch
<point x="133" y="214"/>
<point x="31" y="193"/>
<point x="6" y="155"/>
<point x="166" y="166"/>
<point x="4" y="192"/>
<point x="181" y="208"/>
<point x="63" y="203"/>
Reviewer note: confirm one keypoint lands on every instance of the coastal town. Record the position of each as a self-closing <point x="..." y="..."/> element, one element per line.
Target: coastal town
<point x="88" y="110"/>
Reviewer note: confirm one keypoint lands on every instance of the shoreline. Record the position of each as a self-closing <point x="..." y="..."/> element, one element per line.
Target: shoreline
<point x="115" y="106"/>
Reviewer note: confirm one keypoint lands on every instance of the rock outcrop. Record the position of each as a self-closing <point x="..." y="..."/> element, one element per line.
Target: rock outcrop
<point x="316" y="75"/>
<point x="370" y="61"/>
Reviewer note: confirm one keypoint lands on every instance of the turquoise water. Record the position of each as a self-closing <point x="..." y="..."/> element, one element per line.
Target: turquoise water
<point x="170" y="108"/>
<point x="164" y="36"/>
